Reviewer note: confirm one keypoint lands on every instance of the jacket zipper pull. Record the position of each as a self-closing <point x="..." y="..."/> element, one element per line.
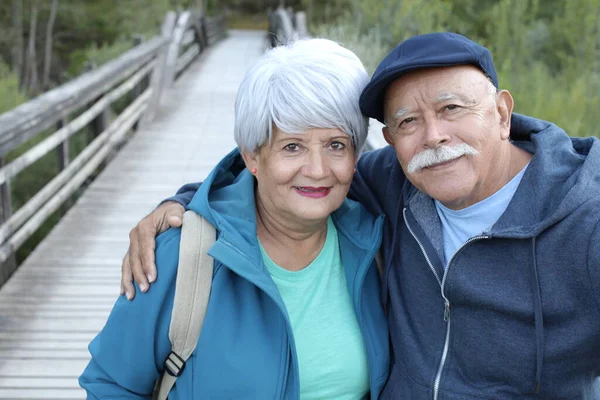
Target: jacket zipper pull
<point x="446" y="310"/>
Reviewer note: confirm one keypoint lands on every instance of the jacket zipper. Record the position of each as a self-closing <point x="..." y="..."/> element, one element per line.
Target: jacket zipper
<point x="291" y="347"/>
<point x="442" y="282"/>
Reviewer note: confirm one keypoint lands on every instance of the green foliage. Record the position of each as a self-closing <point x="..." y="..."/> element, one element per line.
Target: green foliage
<point x="97" y="55"/>
<point x="397" y="20"/>
<point x="367" y="46"/>
<point x="243" y="21"/>
<point x="547" y="53"/>
<point x="10" y="95"/>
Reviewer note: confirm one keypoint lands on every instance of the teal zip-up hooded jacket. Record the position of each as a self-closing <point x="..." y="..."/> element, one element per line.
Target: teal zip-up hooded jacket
<point x="246" y="348"/>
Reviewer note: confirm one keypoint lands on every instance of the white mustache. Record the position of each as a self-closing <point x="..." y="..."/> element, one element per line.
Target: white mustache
<point x="439" y="155"/>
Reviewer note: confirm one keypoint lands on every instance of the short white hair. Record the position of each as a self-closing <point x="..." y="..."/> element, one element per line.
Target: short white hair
<point x="314" y="83"/>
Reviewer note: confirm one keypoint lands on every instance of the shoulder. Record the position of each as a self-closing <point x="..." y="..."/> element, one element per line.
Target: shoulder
<point x="378" y="181"/>
<point x="384" y="158"/>
<point x="168" y="240"/>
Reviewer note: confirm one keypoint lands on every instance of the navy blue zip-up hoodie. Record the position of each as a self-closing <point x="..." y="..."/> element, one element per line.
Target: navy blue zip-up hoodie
<point x="517" y="314"/>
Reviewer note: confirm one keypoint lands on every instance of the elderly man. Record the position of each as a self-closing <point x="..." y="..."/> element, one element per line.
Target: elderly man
<point x="491" y="247"/>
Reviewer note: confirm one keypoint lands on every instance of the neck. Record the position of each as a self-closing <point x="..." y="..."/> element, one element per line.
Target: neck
<point x="516" y="159"/>
<point x="291" y="244"/>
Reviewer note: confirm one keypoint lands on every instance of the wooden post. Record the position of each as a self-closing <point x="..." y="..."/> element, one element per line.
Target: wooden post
<point x="63" y="155"/>
<point x="98" y="124"/>
<point x="10" y="265"/>
<point x="290" y="12"/>
<point x="272" y="29"/>
<point x="174" y="48"/>
<point x="202" y="38"/>
<point x="63" y="149"/>
<point x="157" y="78"/>
<point x="139" y="88"/>
<point x="200" y="31"/>
<point x="301" y="26"/>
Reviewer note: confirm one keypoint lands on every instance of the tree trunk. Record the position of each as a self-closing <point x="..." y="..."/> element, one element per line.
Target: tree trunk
<point x="17" y="46"/>
<point x="48" y="49"/>
<point x="31" y="76"/>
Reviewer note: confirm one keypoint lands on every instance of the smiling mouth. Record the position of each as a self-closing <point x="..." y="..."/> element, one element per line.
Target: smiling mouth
<point x="313" y="192"/>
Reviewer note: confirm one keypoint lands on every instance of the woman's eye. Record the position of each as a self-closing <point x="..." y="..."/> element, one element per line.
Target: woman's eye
<point x="338" y="146"/>
<point x="292" y="147"/>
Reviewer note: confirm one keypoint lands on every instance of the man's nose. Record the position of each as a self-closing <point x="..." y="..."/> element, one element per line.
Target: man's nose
<point x="435" y="134"/>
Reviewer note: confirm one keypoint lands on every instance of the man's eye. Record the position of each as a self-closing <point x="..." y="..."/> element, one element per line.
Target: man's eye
<point x="338" y="146"/>
<point x="292" y="147"/>
<point x="451" y="107"/>
<point x="406" y="121"/>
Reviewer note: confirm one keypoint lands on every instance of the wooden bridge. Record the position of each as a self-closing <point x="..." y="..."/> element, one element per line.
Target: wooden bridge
<point x="180" y="123"/>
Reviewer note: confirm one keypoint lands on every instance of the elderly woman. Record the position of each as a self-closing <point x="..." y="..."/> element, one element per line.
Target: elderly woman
<point x="294" y="310"/>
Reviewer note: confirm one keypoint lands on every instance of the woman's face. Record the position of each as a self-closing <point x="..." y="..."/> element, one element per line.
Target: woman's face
<point x="303" y="177"/>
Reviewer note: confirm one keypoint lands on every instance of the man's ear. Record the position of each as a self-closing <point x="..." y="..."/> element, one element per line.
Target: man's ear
<point x="387" y="135"/>
<point x="504" y="106"/>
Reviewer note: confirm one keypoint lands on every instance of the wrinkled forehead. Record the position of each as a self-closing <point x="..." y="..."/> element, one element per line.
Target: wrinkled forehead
<point x="433" y="85"/>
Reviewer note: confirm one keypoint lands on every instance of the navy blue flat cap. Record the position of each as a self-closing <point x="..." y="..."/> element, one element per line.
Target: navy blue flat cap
<point x="441" y="49"/>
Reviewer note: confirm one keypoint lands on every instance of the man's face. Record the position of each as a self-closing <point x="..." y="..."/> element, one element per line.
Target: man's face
<point x="450" y="131"/>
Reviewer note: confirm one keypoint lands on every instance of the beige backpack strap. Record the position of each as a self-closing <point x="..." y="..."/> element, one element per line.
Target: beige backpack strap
<point x="192" y="291"/>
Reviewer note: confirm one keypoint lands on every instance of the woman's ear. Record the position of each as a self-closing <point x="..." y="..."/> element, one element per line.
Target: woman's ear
<point x="251" y="160"/>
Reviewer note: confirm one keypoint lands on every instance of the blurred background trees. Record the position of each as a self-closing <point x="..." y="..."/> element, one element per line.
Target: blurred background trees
<point x="547" y="52"/>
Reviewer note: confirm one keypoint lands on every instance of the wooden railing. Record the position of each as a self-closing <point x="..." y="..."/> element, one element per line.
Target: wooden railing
<point x="145" y="71"/>
<point x="285" y="26"/>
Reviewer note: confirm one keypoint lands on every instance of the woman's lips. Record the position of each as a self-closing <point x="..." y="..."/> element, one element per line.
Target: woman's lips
<point x="313" y="192"/>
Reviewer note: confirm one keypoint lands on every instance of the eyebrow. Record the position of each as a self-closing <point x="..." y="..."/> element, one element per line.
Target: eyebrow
<point x="400" y="113"/>
<point x="454" y="96"/>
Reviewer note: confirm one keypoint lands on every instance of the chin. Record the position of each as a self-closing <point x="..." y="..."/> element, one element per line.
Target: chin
<point x="449" y="195"/>
<point x="314" y="213"/>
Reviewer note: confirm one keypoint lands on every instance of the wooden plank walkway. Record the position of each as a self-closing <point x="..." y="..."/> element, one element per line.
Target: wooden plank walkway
<point x="61" y="295"/>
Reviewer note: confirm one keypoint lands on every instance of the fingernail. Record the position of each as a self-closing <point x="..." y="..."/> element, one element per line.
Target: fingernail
<point x="128" y="295"/>
<point x="150" y="278"/>
<point x="143" y="287"/>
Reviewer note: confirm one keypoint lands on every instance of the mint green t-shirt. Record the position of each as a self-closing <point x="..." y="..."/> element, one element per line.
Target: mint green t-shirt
<point x="331" y="354"/>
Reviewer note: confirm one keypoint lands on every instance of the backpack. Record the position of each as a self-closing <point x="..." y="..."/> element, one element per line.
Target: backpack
<point x="192" y="291"/>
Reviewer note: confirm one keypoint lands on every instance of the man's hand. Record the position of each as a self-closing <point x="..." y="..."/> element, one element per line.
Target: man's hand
<point x="138" y="263"/>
